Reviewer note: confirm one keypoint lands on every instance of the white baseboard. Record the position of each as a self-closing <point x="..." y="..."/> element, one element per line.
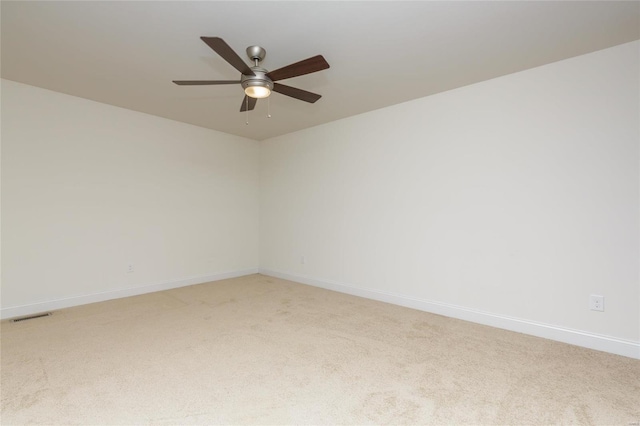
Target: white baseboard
<point x="67" y="302"/>
<point x="598" y="342"/>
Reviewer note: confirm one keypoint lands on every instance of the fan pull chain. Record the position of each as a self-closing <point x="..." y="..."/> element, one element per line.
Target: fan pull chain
<point x="247" y="108"/>
<point x="268" y="104"/>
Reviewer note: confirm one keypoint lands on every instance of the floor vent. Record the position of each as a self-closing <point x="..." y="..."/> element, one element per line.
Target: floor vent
<point x="46" y="314"/>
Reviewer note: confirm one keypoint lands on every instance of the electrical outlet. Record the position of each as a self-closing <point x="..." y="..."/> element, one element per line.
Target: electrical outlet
<point x="130" y="268"/>
<point x="596" y="303"/>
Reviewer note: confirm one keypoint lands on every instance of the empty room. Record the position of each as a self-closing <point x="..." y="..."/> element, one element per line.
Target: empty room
<point x="322" y="212"/>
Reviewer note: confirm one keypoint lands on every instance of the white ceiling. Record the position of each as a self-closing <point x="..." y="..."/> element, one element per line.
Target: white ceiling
<point x="381" y="53"/>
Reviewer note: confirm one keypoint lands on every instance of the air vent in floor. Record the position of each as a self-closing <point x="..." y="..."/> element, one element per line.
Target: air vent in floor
<point x="46" y="314"/>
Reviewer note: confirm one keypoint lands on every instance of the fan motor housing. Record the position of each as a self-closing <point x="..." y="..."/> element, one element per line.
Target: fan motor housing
<point x="259" y="79"/>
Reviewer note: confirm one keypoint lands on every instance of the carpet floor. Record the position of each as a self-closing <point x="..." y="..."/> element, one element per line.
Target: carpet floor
<point x="260" y="350"/>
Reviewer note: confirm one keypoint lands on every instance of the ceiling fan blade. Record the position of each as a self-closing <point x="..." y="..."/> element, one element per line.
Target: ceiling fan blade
<point x="227" y="53"/>
<point x="251" y="102"/>
<point x="303" y="95"/>
<point x="307" y="66"/>
<point x="203" y="82"/>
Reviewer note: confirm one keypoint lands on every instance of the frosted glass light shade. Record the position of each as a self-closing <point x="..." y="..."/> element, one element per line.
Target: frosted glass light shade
<point x="257" y="92"/>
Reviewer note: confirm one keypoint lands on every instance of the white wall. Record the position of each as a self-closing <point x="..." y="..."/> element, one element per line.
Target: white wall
<point x="88" y="188"/>
<point x="507" y="202"/>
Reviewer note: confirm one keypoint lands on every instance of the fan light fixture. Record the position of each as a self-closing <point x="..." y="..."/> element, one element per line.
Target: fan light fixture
<point x="257" y="86"/>
<point x="257" y="92"/>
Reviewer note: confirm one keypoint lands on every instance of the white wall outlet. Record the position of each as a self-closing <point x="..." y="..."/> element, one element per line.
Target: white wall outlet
<point x="596" y="303"/>
<point x="303" y="260"/>
<point x="130" y="268"/>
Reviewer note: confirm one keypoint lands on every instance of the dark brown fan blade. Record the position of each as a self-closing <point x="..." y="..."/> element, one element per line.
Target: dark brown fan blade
<point x="252" y="103"/>
<point x="303" y="95"/>
<point x="203" y="82"/>
<point x="227" y="53"/>
<point x="317" y="63"/>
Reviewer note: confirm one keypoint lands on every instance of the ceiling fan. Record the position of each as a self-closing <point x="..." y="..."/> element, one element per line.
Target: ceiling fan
<point x="257" y="82"/>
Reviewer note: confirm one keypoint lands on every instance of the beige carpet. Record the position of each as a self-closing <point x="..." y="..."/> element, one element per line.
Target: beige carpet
<point x="261" y="350"/>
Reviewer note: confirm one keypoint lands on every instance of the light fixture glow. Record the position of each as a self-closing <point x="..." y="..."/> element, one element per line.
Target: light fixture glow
<point x="257" y="92"/>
